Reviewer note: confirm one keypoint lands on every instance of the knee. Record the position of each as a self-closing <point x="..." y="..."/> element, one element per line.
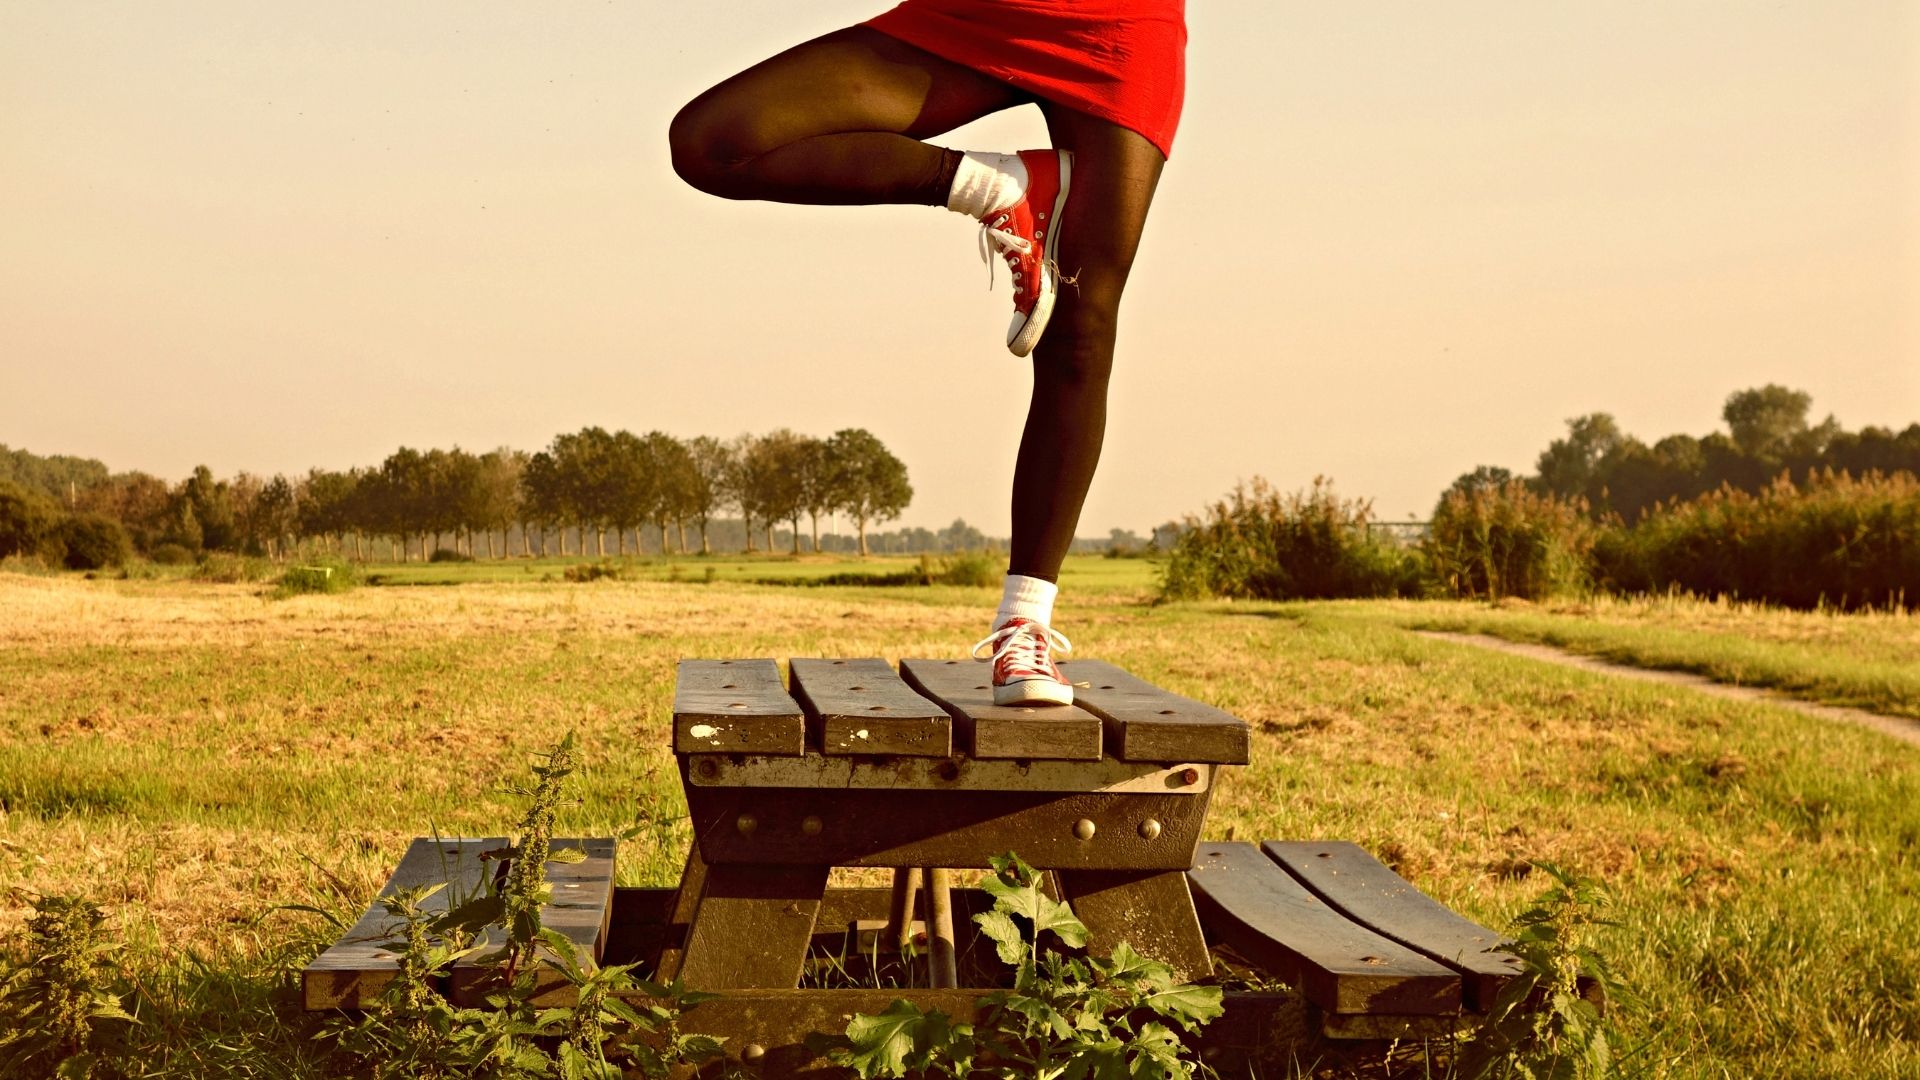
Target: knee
<point x="706" y="145"/>
<point x="1078" y="347"/>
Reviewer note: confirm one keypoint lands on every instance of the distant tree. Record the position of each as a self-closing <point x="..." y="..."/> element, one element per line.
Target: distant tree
<point x="138" y="501"/>
<point x="712" y="462"/>
<point x="397" y="494"/>
<point x="543" y="498"/>
<point x="587" y="464"/>
<point x="671" y="477"/>
<point x="1482" y="478"/>
<point x="1574" y="467"/>
<point x="212" y="504"/>
<point x="1770" y="423"/>
<point x="27" y="517"/>
<point x="325" y="501"/>
<point x="872" y="482"/>
<point x="496" y="501"/>
<point x="769" y="481"/>
<point x="57" y="476"/>
<point x="275" y="516"/>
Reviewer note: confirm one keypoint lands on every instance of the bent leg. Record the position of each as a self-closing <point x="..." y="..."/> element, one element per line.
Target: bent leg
<point x="835" y="121"/>
<point x="1115" y="172"/>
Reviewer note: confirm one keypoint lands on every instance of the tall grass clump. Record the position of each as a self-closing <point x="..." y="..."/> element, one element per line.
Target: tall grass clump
<point x="1260" y="544"/>
<point x="1834" y="541"/>
<point x="1508" y="540"/>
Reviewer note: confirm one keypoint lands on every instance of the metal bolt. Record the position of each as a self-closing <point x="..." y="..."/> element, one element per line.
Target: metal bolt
<point x="1150" y="829"/>
<point x="1083" y="829"/>
<point x="707" y="770"/>
<point x="1189" y="775"/>
<point x="746" y="824"/>
<point x="752" y="1053"/>
<point x="810" y="825"/>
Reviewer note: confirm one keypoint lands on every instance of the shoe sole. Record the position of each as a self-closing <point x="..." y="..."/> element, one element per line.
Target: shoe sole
<point x="1033" y="692"/>
<point x="1022" y="342"/>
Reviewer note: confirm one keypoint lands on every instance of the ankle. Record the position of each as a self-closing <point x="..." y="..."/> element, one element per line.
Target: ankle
<point x="1024" y="597"/>
<point x="985" y="183"/>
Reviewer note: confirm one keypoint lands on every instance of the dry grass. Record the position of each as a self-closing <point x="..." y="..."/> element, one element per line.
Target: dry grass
<point x="194" y="756"/>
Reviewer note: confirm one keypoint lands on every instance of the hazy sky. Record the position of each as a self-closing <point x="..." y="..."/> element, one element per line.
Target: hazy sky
<point x="1395" y="241"/>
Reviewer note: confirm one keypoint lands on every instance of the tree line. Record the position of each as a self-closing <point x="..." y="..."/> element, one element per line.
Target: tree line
<point x="1768" y="434"/>
<point x="583" y="485"/>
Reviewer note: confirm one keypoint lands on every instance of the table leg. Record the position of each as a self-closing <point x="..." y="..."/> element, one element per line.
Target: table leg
<point x="752" y="927"/>
<point x="1151" y="910"/>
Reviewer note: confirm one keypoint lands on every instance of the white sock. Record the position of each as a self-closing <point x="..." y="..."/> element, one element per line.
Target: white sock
<point x="1026" y="598"/>
<point x="984" y="183"/>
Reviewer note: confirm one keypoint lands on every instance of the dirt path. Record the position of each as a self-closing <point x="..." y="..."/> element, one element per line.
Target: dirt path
<point x="1905" y="730"/>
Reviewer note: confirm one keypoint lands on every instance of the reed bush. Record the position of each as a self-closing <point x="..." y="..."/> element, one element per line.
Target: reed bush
<point x="1508" y="540"/>
<point x="1833" y="541"/>
<point x="1260" y="544"/>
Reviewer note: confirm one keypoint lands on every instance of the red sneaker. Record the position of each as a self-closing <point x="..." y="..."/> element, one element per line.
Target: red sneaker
<point x="1027" y="234"/>
<point x="1023" y="671"/>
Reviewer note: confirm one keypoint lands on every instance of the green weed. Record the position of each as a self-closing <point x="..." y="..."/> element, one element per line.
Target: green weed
<point x="54" y="1001"/>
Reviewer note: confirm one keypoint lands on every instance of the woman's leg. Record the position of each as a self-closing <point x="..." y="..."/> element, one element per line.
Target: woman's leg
<point x="1114" y="174"/>
<point x="835" y="121"/>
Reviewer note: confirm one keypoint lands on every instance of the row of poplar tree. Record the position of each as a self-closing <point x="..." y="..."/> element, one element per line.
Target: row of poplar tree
<point x="584" y="484"/>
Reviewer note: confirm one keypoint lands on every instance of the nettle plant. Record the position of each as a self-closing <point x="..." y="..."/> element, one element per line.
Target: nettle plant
<point x="55" y="1003"/>
<point x="1544" y="1025"/>
<point x="1066" y="1017"/>
<point x="617" y="1021"/>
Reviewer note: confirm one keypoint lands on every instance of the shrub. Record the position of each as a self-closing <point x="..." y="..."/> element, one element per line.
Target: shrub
<point x="170" y="555"/>
<point x="92" y="542"/>
<point x="975" y="569"/>
<point x="605" y="568"/>
<point x="1259" y="544"/>
<point x="225" y="568"/>
<point x="449" y="555"/>
<point x="1508" y="540"/>
<point x="325" y="575"/>
<point x="1835" y="540"/>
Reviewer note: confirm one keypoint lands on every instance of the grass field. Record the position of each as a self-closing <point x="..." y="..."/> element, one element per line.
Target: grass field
<point x="196" y="757"/>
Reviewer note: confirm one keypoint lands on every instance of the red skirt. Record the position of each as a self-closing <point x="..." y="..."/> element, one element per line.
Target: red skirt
<point x="1119" y="60"/>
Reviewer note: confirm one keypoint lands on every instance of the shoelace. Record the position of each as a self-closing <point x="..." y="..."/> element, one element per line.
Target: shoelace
<point x="1010" y="247"/>
<point x="1024" y="641"/>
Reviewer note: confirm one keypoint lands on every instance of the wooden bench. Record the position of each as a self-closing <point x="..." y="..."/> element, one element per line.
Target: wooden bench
<point x="354" y="970"/>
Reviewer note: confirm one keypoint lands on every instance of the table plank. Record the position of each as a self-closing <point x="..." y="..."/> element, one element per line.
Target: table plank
<point x="963" y="689"/>
<point x="735" y="707"/>
<point x="1370" y="893"/>
<point x="1247" y="901"/>
<point x="859" y="706"/>
<point x="1145" y="723"/>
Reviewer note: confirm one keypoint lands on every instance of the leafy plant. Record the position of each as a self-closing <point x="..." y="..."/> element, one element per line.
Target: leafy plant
<point x="51" y="1004"/>
<point x="323" y="575"/>
<point x="1546" y="1024"/>
<point x="1065" y="1018"/>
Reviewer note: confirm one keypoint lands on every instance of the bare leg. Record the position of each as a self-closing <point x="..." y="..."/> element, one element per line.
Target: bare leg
<point x="835" y="121"/>
<point x="1115" y="172"/>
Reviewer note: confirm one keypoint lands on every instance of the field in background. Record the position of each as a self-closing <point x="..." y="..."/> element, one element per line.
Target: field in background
<point x="197" y="757"/>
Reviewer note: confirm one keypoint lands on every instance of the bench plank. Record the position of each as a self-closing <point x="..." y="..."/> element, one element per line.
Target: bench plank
<point x="1247" y="901"/>
<point x="580" y="907"/>
<point x="862" y="707"/>
<point x="735" y="707"/>
<point x="1370" y="893"/>
<point x="962" y="688"/>
<point x="1146" y="723"/>
<point x="353" y="971"/>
